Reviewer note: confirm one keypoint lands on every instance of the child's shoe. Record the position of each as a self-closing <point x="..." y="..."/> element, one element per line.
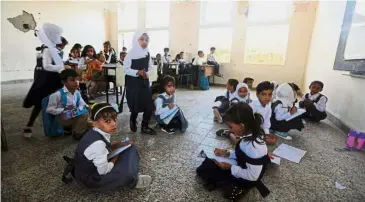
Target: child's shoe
<point x="143" y="181"/>
<point x="351" y="139"/>
<point x="283" y="135"/>
<point x="218" y="116"/>
<point x="168" y="130"/>
<point x="223" y="132"/>
<point x="147" y="130"/>
<point x="360" y="141"/>
<point x="27" y="132"/>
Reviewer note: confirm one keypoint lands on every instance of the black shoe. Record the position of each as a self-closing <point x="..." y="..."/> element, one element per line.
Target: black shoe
<point x="147" y="130"/>
<point x="133" y="126"/>
<point x="167" y="130"/>
<point x="27" y="132"/>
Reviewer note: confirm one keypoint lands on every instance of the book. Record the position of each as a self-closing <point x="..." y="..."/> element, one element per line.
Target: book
<point x="299" y="112"/>
<point x="211" y="155"/>
<point x="119" y="149"/>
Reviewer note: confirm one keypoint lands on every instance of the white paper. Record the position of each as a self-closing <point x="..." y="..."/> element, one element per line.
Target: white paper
<point x="276" y="160"/>
<point x="74" y="62"/>
<point x="299" y="112"/>
<point x="211" y="155"/>
<point x="338" y="186"/>
<point x="290" y="153"/>
<point x="168" y="113"/>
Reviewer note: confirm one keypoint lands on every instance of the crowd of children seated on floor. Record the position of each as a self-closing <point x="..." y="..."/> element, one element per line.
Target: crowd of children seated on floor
<point x="250" y="121"/>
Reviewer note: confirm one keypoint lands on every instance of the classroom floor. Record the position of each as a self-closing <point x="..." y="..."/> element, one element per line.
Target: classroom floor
<point x="31" y="169"/>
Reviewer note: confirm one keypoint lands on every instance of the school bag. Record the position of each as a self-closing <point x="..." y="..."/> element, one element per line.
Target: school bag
<point x="51" y="126"/>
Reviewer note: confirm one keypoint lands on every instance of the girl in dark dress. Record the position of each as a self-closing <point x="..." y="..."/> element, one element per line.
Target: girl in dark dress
<point x="138" y="68"/>
<point x="46" y="73"/>
<point x="250" y="155"/>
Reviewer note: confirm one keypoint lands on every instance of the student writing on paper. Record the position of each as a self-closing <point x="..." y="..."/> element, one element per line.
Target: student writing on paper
<point x="168" y="115"/>
<point x="90" y="165"/>
<point x="250" y="153"/>
<point x="314" y="102"/>
<point x="283" y="108"/>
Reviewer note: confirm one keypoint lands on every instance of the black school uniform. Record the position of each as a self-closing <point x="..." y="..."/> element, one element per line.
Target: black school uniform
<point x="138" y="91"/>
<point x="283" y="125"/>
<point x="45" y="83"/>
<point x="313" y="113"/>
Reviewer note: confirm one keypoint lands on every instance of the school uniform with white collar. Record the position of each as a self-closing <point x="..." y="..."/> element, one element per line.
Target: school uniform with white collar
<point x="252" y="160"/>
<point x="93" y="169"/>
<point x="265" y="112"/>
<point x="138" y="91"/>
<point x="281" y="107"/>
<point x="235" y="98"/>
<point x="212" y="61"/>
<point x="178" y="121"/>
<point x="316" y="111"/>
<point x="57" y="104"/>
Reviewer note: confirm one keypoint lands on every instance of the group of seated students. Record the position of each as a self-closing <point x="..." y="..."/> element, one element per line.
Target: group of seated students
<point x="276" y="103"/>
<point x="162" y="62"/>
<point x="88" y="65"/>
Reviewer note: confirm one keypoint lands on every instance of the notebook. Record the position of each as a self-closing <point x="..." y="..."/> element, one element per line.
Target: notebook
<point x="299" y="112"/>
<point x="119" y="150"/>
<point x="211" y="155"/>
<point x="290" y="153"/>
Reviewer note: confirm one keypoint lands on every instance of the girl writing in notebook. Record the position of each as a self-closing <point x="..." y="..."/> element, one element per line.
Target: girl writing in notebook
<point x="168" y="115"/>
<point x="283" y="109"/>
<point x="250" y="154"/>
<point x="91" y="166"/>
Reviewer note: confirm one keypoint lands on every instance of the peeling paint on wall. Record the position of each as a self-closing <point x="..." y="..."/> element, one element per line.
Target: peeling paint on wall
<point x="24" y="22"/>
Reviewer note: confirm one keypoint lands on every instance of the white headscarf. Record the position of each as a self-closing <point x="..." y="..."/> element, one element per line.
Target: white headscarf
<point x="50" y="35"/>
<point x="235" y="94"/>
<point x="285" y="94"/>
<point x="137" y="51"/>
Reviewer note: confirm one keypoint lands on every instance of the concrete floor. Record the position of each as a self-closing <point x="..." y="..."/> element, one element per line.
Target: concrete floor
<point x="31" y="169"/>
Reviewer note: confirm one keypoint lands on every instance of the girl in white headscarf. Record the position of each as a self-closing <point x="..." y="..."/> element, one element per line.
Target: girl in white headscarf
<point x="46" y="73"/>
<point x="138" y="68"/>
<point x="282" y="108"/>
<point x="241" y="94"/>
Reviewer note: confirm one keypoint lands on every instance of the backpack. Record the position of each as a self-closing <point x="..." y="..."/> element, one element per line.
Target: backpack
<point x="51" y="126"/>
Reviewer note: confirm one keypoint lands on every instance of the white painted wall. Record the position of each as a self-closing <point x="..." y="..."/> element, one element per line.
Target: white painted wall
<point x="346" y="97"/>
<point x="82" y="22"/>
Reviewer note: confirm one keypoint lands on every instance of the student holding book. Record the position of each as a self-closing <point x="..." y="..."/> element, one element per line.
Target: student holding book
<point x="284" y="113"/>
<point x="91" y="166"/>
<point x="168" y="115"/>
<point x="250" y="154"/>
<point x="314" y="102"/>
<point x="138" y="68"/>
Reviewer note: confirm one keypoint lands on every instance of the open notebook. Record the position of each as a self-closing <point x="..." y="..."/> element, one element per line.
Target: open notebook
<point x="119" y="150"/>
<point x="299" y="112"/>
<point x="210" y="154"/>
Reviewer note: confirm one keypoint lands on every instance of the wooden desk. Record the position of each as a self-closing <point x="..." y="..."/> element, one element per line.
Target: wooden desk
<point x="110" y="73"/>
<point x="208" y="70"/>
<point x="176" y="65"/>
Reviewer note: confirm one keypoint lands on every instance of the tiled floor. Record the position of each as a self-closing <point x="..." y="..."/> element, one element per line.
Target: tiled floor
<point x="31" y="169"/>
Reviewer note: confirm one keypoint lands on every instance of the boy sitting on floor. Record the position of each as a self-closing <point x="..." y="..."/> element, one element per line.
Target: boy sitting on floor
<point x="314" y="102"/>
<point x="68" y="106"/>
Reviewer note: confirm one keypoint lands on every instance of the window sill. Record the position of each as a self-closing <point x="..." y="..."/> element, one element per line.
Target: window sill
<point x="354" y="75"/>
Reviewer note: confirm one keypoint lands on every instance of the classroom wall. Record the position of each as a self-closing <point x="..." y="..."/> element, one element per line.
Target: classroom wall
<point x="82" y="22"/>
<point x="346" y="99"/>
<point x="184" y="35"/>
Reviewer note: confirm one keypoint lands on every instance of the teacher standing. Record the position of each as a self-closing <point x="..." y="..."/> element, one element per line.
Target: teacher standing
<point x="138" y="68"/>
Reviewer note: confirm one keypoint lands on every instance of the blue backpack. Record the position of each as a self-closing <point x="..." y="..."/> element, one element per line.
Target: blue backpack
<point x="51" y="126"/>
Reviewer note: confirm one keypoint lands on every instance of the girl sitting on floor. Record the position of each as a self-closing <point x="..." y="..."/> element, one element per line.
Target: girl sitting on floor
<point x="168" y="115"/>
<point x="314" y="102"/>
<point x="91" y="166"/>
<point x="283" y="108"/>
<point x="250" y="154"/>
<point x="240" y="95"/>
<point x="224" y="99"/>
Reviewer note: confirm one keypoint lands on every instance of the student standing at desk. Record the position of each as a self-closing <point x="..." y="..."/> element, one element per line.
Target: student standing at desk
<point x="203" y="80"/>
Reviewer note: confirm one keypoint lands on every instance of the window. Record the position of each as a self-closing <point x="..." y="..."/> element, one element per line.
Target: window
<point x="267" y="35"/>
<point x="216" y="29"/>
<point x="125" y="40"/>
<point x="128" y="16"/>
<point x="157" y="24"/>
<point x="215" y="12"/>
<point x="158" y="41"/>
<point x="220" y="38"/>
<point x="157" y="14"/>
